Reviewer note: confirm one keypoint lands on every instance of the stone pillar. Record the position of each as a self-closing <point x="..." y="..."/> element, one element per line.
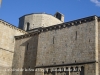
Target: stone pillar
<point x="74" y="69"/>
<point x="79" y="68"/>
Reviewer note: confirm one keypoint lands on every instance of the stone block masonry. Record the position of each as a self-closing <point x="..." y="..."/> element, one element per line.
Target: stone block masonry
<point x="48" y="43"/>
<point x="71" y="44"/>
<point x="7" y="43"/>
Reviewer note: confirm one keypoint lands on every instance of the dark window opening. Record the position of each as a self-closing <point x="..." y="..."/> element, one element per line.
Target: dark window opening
<point x="63" y="62"/>
<point x="28" y="26"/>
<point x="54" y="62"/>
<point x="76" y="36"/>
<point x="53" y="39"/>
<point x="58" y="16"/>
<point x="75" y="61"/>
<point x="89" y="40"/>
<point x="82" y="71"/>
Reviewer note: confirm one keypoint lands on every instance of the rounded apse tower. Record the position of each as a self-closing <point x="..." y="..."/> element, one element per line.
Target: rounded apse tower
<point x="37" y="20"/>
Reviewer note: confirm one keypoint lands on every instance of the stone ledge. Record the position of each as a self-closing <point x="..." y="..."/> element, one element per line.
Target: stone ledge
<point x="67" y="64"/>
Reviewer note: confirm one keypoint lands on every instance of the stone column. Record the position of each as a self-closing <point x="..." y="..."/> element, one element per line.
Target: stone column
<point x="79" y="68"/>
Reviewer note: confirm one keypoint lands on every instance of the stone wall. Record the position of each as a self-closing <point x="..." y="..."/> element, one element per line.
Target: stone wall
<point x="99" y="44"/>
<point x="25" y="55"/>
<point x="7" y="42"/>
<point x="73" y="44"/>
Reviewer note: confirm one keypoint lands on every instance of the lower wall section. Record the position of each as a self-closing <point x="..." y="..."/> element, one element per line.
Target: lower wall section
<point x="5" y="62"/>
<point x="25" y="55"/>
<point x="5" y="70"/>
<point x="86" y="69"/>
<point x="90" y="69"/>
<point x="6" y="57"/>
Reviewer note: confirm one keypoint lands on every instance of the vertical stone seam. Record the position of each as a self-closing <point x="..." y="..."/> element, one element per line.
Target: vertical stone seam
<point x="96" y="45"/>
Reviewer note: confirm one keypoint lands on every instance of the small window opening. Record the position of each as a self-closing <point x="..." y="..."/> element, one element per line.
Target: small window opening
<point x="63" y="62"/>
<point x="53" y="39"/>
<point x="76" y="36"/>
<point x="58" y="16"/>
<point x="28" y="26"/>
<point x="29" y="67"/>
<point x="75" y="61"/>
<point x="54" y="62"/>
<point x="89" y="40"/>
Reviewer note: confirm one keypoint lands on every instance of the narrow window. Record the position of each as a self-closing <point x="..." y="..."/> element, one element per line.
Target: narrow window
<point x="28" y="26"/>
<point x="76" y="36"/>
<point x="53" y="39"/>
<point x="89" y="40"/>
<point x="27" y="46"/>
<point x="82" y="71"/>
<point x="29" y="67"/>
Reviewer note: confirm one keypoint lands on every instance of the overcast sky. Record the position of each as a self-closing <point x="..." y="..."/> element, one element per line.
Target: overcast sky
<point x="11" y="10"/>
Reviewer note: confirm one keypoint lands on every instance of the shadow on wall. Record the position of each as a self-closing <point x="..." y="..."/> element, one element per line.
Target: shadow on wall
<point x="25" y="55"/>
<point x="30" y="55"/>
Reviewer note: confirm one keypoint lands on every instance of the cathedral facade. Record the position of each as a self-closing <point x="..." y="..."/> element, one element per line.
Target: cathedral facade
<point x="46" y="45"/>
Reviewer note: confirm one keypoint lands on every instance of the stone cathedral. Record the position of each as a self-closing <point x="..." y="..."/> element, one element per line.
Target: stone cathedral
<point x="44" y="44"/>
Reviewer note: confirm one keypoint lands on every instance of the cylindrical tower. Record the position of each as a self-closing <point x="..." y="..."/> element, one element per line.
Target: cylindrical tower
<point x="32" y="21"/>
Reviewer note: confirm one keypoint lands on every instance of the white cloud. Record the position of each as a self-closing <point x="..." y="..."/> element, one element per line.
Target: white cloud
<point x="96" y="2"/>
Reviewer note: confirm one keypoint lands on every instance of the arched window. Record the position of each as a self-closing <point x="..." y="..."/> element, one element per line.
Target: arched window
<point x="28" y="26"/>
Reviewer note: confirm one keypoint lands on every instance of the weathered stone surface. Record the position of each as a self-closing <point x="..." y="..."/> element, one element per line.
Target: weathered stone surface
<point x="5" y="70"/>
<point x="25" y="55"/>
<point x="7" y="43"/>
<point x="75" y="44"/>
<point x="37" y="20"/>
<point x="99" y="45"/>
